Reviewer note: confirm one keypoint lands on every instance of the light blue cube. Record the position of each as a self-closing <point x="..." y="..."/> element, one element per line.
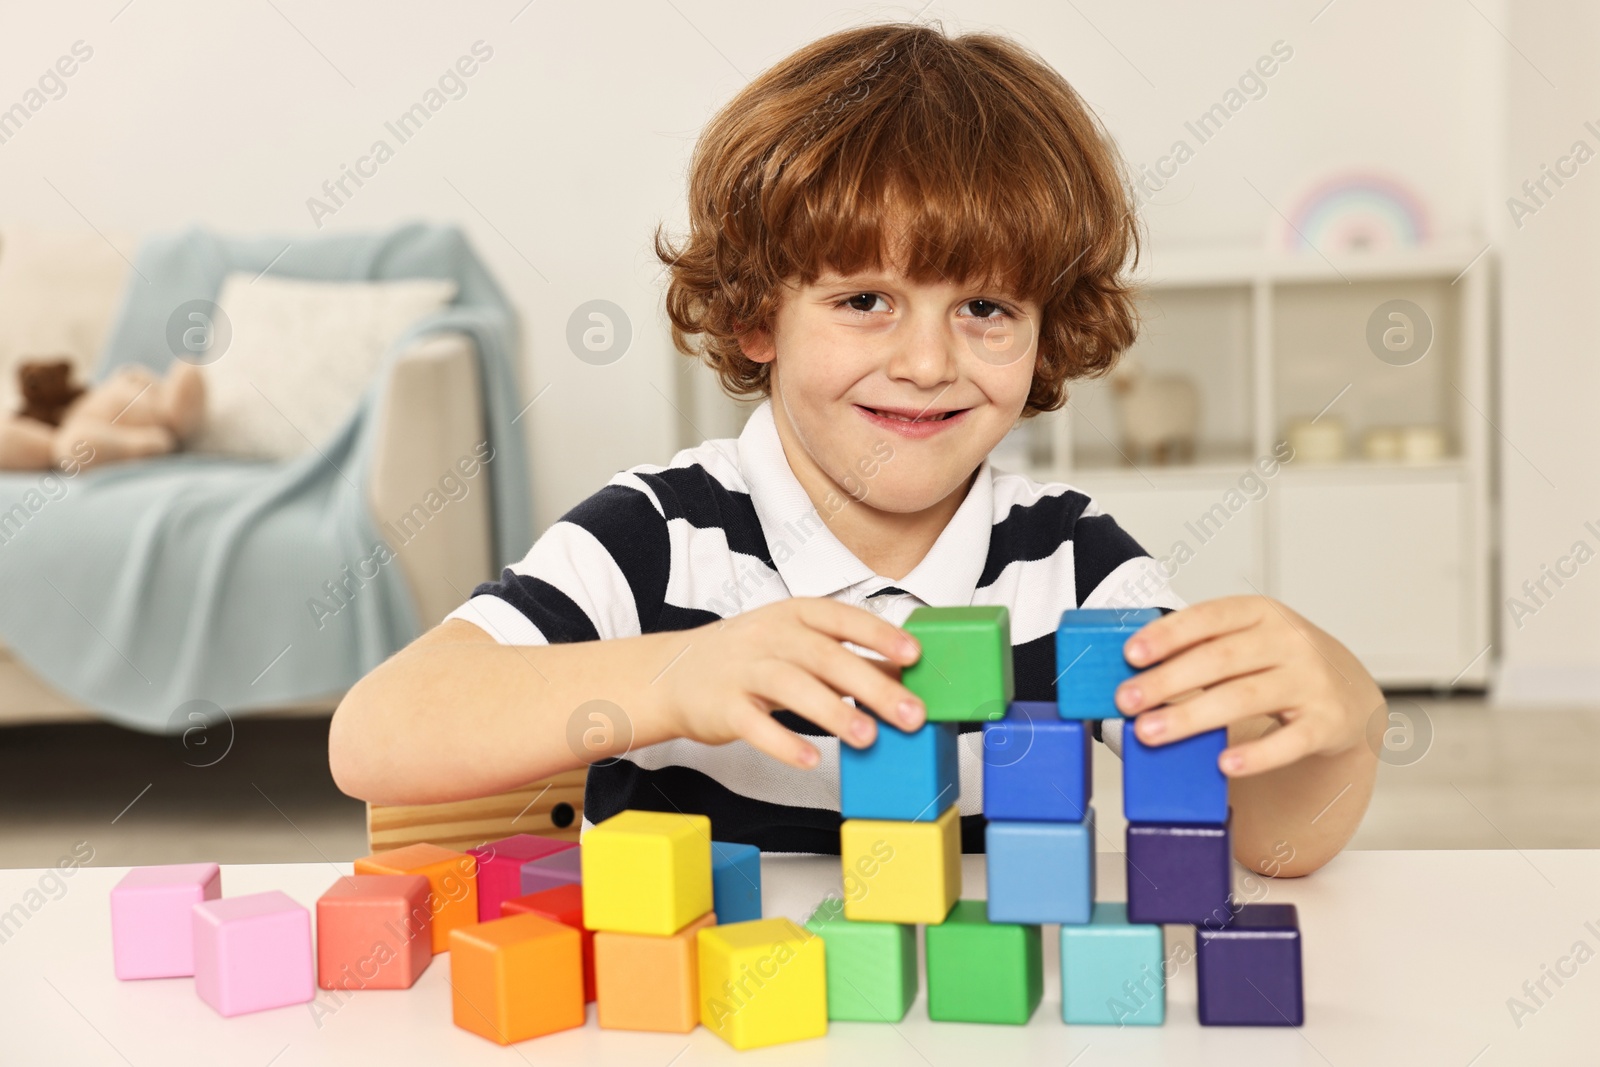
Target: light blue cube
<point x="735" y="882"/>
<point x="906" y="777"/>
<point x="1041" y="872"/>
<point x="1178" y="782"/>
<point x="1089" y="663"/>
<point x="1111" y="971"/>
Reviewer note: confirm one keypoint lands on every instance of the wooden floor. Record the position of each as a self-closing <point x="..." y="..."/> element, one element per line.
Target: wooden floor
<point x="1488" y="778"/>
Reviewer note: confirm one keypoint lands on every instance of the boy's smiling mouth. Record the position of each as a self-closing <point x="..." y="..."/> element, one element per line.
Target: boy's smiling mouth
<point x="912" y="422"/>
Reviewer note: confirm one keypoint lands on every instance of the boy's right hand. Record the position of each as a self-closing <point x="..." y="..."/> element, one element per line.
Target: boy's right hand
<point x="731" y="675"/>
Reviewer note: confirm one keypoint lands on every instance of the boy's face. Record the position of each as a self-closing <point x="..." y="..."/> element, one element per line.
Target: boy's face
<point x="895" y="391"/>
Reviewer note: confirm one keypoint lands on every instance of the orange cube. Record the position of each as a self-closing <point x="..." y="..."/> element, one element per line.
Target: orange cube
<point x="564" y="904"/>
<point x="516" y="978"/>
<point x="374" y="931"/>
<point x="649" y="981"/>
<point x="452" y="881"/>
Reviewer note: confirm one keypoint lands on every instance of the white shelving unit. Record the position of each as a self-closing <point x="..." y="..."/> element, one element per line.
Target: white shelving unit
<point x="1392" y="558"/>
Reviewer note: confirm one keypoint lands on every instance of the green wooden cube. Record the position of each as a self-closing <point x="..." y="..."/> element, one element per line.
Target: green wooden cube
<point x="983" y="972"/>
<point x="872" y="967"/>
<point x="964" y="673"/>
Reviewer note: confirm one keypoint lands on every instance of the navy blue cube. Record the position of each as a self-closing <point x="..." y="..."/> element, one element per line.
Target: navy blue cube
<point x="735" y="882"/>
<point x="1035" y="765"/>
<point x="1089" y="663"/>
<point x="906" y="777"/>
<point x="1179" y="874"/>
<point x="1178" y="782"/>
<point x="1249" y="970"/>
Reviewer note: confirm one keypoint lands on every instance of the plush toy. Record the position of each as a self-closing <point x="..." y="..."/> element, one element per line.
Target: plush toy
<point x="1159" y="415"/>
<point x="132" y="414"/>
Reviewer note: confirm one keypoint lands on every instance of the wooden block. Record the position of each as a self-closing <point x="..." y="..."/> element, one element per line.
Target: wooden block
<point x="500" y="868"/>
<point x="1179" y="874"/>
<point x="152" y="930"/>
<point x="735" y="882"/>
<point x="1089" y="662"/>
<point x="1112" y="971"/>
<point x="647" y="872"/>
<point x="252" y="953"/>
<point x="1178" y="782"/>
<point x="564" y="904"/>
<point x="452" y="881"/>
<point x="983" y="972"/>
<point x="763" y="983"/>
<point x="649" y="982"/>
<point x="374" y="931"/>
<point x="964" y="673"/>
<point x="901" y="872"/>
<point x="516" y="978"/>
<point x="1035" y="765"/>
<point x="547" y="872"/>
<point x="872" y="967"/>
<point x="1040" y="872"/>
<point x="1249" y="970"/>
<point x="463" y="824"/>
<point x="903" y="776"/>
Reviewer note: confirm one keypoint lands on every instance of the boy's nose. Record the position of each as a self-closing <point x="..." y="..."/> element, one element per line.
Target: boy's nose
<point x="925" y="356"/>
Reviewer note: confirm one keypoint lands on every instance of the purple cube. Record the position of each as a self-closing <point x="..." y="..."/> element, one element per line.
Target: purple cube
<point x="1036" y="765"/>
<point x="1249" y="971"/>
<point x="548" y="872"/>
<point x="1179" y="874"/>
<point x="500" y="866"/>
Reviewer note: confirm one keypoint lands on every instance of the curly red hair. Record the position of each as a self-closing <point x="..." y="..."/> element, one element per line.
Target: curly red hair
<point x="971" y="155"/>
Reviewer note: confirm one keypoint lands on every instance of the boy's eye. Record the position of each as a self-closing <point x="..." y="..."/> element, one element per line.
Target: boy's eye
<point x="860" y="302"/>
<point x="993" y="309"/>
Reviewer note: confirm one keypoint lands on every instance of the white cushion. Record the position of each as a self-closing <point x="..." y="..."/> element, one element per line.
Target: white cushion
<point x="300" y="355"/>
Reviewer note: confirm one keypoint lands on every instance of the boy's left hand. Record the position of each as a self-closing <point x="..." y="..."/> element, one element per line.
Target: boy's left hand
<point x="1249" y="656"/>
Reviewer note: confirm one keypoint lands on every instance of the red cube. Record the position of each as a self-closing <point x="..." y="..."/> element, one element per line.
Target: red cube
<point x="374" y="931"/>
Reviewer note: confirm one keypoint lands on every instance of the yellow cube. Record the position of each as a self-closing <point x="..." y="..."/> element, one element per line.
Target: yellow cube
<point x="763" y="982"/>
<point x="646" y="872"/>
<point x="901" y="872"/>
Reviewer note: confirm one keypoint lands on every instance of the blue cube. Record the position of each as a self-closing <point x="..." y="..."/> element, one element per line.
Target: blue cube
<point x="1089" y="663"/>
<point x="905" y="777"/>
<point x="1180" y="874"/>
<point x="735" y="882"/>
<point x="1041" y="872"/>
<point x="1178" y="782"/>
<point x="1249" y="970"/>
<point x="1035" y="765"/>
<point x="1112" y="971"/>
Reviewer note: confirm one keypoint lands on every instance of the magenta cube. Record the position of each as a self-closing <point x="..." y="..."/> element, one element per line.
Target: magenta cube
<point x="500" y="868"/>
<point x="152" y="932"/>
<point x="548" y="872"/>
<point x="252" y="953"/>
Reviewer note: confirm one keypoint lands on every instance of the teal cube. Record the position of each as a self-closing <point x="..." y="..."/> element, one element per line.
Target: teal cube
<point x="983" y="972"/>
<point x="871" y="967"/>
<point x="1111" y="971"/>
<point x="964" y="673"/>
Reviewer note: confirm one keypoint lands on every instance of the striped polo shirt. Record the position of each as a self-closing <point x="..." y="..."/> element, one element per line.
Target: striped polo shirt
<point x="726" y="528"/>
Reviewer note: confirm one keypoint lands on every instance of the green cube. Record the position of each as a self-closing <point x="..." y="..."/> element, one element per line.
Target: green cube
<point x="983" y="972"/>
<point x="964" y="673"/>
<point x="872" y="967"/>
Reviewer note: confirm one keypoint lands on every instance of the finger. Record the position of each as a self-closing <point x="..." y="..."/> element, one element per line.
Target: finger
<point x="765" y="734"/>
<point x="861" y="678"/>
<point x="1189" y="626"/>
<point x="787" y="686"/>
<point x="1234" y="701"/>
<point x="1279" y="748"/>
<point x="847" y="622"/>
<point x="1201" y="666"/>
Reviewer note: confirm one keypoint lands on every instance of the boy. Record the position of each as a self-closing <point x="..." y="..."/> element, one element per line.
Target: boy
<point x="907" y="243"/>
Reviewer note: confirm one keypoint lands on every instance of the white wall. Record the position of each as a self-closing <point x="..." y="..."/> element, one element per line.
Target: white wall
<point x="572" y="141"/>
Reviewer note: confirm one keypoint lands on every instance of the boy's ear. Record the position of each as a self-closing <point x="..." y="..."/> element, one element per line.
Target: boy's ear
<point x="757" y="345"/>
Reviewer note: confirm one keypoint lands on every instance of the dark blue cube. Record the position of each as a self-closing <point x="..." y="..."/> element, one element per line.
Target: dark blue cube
<point x="735" y="882"/>
<point x="906" y="777"/>
<point x="1178" y="782"/>
<point x="1179" y="874"/>
<point x="1035" y="765"/>
<point x="1249" y="970"/>
<point x="1089" y="663"/>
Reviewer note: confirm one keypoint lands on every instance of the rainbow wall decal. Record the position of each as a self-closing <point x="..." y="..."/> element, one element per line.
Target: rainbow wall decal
<point x="1356" y="213"/>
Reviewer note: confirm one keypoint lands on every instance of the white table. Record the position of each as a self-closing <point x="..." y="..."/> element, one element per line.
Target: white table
<point x="1410" y="958"/>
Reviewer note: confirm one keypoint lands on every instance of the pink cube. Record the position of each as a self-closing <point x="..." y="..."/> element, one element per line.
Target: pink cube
<point x="374" y="931"/>
<point x="252" y="953"/>
<point x="152" y="932"/>
<point x="548" y="872"/>
<point x="500" y="868"/>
